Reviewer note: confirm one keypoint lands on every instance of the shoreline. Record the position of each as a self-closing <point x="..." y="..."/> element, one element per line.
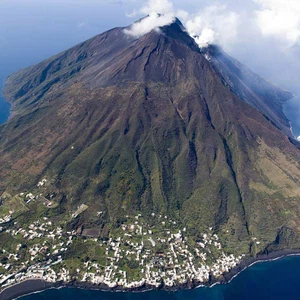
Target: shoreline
<point x="7" y="106"/>
<point x="32" y="286"/>
<point x="249" y="262"/>
<point x="4" y="103"/>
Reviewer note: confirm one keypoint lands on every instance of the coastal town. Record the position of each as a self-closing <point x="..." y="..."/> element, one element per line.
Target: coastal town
<point x="135" y="255"/>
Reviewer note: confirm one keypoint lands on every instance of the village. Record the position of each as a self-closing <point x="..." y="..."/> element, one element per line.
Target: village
<point x="133" y="256"/>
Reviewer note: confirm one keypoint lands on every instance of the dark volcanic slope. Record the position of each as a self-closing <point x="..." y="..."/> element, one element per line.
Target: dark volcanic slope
<point x="149" y="125"/>
<point x="251" y="88"/>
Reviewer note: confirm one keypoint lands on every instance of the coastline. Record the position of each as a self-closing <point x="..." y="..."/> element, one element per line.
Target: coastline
<point x="248" y="262"/>
<point x="31" y="286"/>
<point x="6" y="108"/>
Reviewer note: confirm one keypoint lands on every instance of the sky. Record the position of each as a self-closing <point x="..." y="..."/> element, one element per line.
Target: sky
<point x="263" y="34"/>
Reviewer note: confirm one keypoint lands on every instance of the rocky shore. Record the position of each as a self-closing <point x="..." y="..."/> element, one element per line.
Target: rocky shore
<point x="32" y="286"/>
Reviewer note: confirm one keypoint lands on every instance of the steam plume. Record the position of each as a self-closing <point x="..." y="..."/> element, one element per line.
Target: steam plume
<point x="210" y="25"/>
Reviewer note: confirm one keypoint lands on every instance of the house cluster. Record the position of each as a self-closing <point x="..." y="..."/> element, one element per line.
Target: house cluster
<point x="43" y="271"/>
<point x="177" y="263"/>
<point x="6" y="218"/>
<point x="38" y="229"/>
<point x="34" y="196"/>
<point x="28" y="197"/>
<point x="46" y="243"/>
<point x="135" y="255"/>
<point x="42" y="182"/>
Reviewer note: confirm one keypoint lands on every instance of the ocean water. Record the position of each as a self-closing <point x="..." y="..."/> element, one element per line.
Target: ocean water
<point x="31" y="31"/>
<point x="292" y="111"/>
<point x="276" y="280"/>
<point x="4" y="106"/>
<point x="4" y="110"/>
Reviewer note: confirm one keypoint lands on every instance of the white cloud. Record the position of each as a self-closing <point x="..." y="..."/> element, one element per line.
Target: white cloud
<point x="206" y="37"/>
<point x="153" y="21"/>
<point x="212" y="24"/>
<point x="280" y="19"/>
<point x="182" y="15"/>
<point x="160" y="13"/>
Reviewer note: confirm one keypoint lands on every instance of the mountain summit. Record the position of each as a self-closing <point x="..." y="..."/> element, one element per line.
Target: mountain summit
<point x="154" y="125"/>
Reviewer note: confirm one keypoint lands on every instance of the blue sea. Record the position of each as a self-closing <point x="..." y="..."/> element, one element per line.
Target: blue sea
<point x="269" y="280"/>
<point x="274" y="280"/>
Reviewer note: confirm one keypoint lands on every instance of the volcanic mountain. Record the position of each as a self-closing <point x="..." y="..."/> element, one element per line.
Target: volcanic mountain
<point x="155" y="125"/>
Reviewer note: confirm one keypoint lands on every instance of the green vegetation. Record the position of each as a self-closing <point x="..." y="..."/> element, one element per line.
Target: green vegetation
<point x="137" y="252"/>
<point x="154" y="138"/>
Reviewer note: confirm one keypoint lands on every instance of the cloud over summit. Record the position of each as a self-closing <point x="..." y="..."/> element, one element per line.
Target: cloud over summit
<point x="210" y="25"/>
<point x="159" y="13"/>
<point x="263" y="34"/>
<point x="149" y="23"/>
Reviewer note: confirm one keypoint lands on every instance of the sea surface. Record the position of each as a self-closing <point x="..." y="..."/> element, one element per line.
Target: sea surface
<point x="4" y="106"/>
<point x="274" y="280"/>
<point x="292" y="111"/>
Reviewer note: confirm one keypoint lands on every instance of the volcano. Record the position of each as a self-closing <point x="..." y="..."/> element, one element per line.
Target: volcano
<point x="154" y="125"/>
